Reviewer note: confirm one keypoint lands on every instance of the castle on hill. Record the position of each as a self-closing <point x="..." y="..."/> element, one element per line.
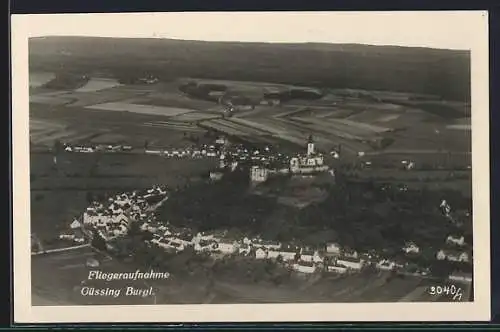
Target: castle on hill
<point x="311" y="163"/>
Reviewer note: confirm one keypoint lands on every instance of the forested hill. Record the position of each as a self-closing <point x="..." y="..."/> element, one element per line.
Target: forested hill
<point x="419" y="70"/>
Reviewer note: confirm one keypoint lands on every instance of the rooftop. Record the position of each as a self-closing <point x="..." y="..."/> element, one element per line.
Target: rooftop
<point x="303" y="263"/>
<point x="349" y="259"/>
<point x="452" y="252"/>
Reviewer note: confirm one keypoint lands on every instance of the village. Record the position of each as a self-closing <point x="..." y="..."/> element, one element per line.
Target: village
<point x="113" y="218"/>
<point x="215" y="148"/>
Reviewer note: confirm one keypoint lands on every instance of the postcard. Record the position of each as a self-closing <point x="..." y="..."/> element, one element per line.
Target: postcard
<point x="251" y="167"/>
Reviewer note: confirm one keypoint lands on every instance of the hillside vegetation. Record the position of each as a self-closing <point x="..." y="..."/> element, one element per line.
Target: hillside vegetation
<point x="418" y="70"/>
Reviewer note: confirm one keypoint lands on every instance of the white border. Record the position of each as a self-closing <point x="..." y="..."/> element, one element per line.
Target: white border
<point x="476" y="23"/>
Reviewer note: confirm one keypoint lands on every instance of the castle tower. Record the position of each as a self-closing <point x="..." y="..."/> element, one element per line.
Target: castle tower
<point x="294" y="164"/>
<point x="258" y="174"/>
<point x="222" y="161"/>
<point x="310" y="146"/>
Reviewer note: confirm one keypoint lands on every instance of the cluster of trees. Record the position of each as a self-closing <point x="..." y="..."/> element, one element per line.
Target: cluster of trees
<point x="201" y="92"/>
<point x="214" y="86"/>
<point x="295" y="93"/>
<point x="220" y="205"/>
<point x="369" y="215"/>
<point x="361" y="215"/>
<point x="133" y="246"/>
<point x="67" y="81"/>
<point x="98" y="241"/>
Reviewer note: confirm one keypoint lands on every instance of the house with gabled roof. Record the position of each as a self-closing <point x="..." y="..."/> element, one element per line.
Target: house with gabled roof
<point x="307" y="255"/>
<point x="120" y="219"/>
<point x="75" y="224"/>
<point x="333" y="248"/>
<point x="411" y="248"/>
<point x="349" y="253"/>
<point x="318" y="257"/>
<point x="226" y="246"/>
<point x="455" y="240"/>
<point x="177" y="246"/>
<point x="272" y="254"/>
<point x="336" y="268"/>
<point x="244" y="249"/>
<point x="453" y="255"/>
<point x="350" y="262"/>
<point x="204" y="245"/>
<point x="386" y="264"/>
<point x="304" y="267"/>
<point x="288" y="253"/>
<point x="460" y="276"/>
<point x="267" y="244"/>
<point x="260" y="253"/>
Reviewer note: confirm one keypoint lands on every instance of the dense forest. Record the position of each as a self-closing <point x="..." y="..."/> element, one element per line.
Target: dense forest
<point x="361" y="215"/>
<point x="418" y="70"/>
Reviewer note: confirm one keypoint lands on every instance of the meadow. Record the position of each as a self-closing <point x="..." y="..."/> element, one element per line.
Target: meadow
<point x="237" y="280"/>
<point x="141" y="109"/>
<point x="59" y="194"/>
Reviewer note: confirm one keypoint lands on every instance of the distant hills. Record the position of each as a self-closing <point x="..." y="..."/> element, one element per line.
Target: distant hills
<point x="445" y="73"/>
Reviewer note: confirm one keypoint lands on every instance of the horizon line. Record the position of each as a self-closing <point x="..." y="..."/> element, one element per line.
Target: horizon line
<point x="253" y="42"/>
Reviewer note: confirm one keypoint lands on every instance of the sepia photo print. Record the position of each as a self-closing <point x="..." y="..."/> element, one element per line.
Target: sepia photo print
<point x="285" y="162"/>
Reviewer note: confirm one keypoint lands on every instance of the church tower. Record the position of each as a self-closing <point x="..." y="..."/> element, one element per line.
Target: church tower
<point x="310" y="146"/>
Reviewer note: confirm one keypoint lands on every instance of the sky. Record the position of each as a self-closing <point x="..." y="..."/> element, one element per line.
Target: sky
<point x="449" y="30"/>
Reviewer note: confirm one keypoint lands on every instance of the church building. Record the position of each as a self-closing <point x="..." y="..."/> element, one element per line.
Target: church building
<point x="310" y="163"/>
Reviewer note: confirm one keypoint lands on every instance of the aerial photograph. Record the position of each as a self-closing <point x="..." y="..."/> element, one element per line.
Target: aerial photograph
<point x="184" y="171"/>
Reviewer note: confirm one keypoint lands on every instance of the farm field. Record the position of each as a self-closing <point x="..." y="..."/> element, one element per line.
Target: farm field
<point x="141" y="109"/>
<point x="273" y="128"/>
<point x="179" y="289"/>
<point x="171" y="97"/>
<point x="460" y="126"/>
<point x="174" y="125"/>
<point x="376" y="287"/>
<point x="38" y="79"/>
<point x="97" y="84"/>
<point x="422" y="158"/>
<point x="88" y="126"/>
<point x="82" y="99"/>
<point x="161" y="115"/>
<point x="194" y="116"/>
<point x="437" y="138"/>
<point x="357" y="119"/>
<point x="326" y="139"/>
<point x="51" y="100"/>
<point x="351" y="129"/>
<point x="45" y="133"/>
<point x="435" y="180"/>
<point x="96" y="91"/>
<point x="67" y="273"/>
